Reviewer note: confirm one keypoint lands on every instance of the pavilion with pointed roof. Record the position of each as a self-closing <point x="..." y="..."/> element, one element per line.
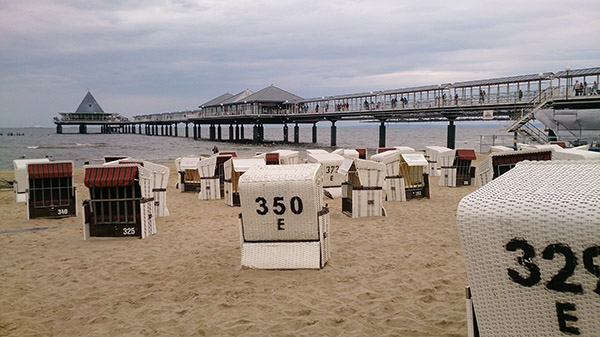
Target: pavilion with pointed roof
<point x="89" y="112"/>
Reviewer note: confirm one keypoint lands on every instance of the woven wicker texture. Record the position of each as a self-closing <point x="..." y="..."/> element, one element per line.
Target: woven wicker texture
<point x="549" y="209"/>
<point x="207" y="167"/>
<point x="391" y="159"/>
<point x="433" y="154"/>
<point x="289" y="255"/>
<point x="210" y="189"/>
<point x="331" y="163"/>
<point x="573" y="154"/>
<point x="347" y="153"/>
<point x="21" y="174"/>
<point x="280" y="202"/>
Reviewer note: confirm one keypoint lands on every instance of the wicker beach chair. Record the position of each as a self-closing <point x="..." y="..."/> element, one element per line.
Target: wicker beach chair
<point x="498" y="163"/>
<point x="121" y="201"/>
<point x="283" y="223"/>
<point x="50" y="191"/>
<point x="212" y="176"/>
<point x="21" y="182"/>
<point x="233" y="170"/>
<point x="455" y="169"/>
<point x="394" y="182"/>
<point x="160" y="179"/>
<point x="189" y="174"/>
<point x="531" y="242"/>
<point x="362" y="193"/>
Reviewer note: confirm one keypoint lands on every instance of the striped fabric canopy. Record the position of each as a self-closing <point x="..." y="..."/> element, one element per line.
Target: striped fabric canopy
<point x="110" y="176"/>
<point x="50" y="170"/>
<point x="518" y="157"/>
<point x="466" y="154"/>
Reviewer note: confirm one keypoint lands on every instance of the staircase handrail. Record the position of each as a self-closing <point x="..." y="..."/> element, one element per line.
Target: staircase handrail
<point x="537" y="102"/>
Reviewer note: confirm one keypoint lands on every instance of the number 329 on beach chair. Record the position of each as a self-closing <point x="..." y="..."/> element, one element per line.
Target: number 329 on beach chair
<point x="51" y="192"/>
<point x="121" y="201"/>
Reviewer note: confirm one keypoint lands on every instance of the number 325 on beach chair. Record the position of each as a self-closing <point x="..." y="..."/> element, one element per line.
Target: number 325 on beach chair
<point x="50" y="190"/>
<point x="121" y="201"/>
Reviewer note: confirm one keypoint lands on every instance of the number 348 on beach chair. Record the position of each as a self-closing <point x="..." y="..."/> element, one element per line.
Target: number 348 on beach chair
<point x="50" y="190"/>
<point x="121" y="201"/>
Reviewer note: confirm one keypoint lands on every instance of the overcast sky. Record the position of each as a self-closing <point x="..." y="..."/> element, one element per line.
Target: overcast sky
<point x="152" y="56"/>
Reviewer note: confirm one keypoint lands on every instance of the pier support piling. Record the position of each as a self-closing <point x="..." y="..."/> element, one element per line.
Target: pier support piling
<point x="382" y="133"/>
<point x="212" y="132"/>
<point x="59" y="128"/>
<point x="231" y="132"/>
<point x="82" y="128"/>
<point x="285" y="133"/>
<point x="242" y="132"/>
<point x="194" y="131"/>
<point x="219" y="132"/>
<point x="450" y="142"/>
<point x="333" y="133"/>
<point x="237" y="132"/>
<point x="175" y="127"/>
<point x="314" y="133"/>
<point x="187" y="131"/>
<point x="296" y="134"/>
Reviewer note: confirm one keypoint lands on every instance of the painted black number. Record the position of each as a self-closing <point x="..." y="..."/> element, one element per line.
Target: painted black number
<point x="588" y="261"/>
<point x="278" y="206"/>
<point x="558" y="282"/>
<point x="296" y="205"/>
<point x="525" y="261"/>
<point x="263" y="204"/>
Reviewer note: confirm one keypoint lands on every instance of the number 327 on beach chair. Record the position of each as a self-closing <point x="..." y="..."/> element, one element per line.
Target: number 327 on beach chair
<point x="121" y="201"/>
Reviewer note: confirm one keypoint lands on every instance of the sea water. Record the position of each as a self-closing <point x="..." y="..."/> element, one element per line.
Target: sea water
<point x="90" y="148"/>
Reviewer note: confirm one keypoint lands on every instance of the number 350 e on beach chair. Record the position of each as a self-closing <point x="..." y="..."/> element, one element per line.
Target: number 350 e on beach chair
<point x="283" y="224"/>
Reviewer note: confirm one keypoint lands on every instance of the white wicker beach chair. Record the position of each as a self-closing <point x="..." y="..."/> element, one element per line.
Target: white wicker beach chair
<point x="362" y="193"/>
<point x="283" y="224"/>
<point x="21" y="182"/>
<point x="394" y="181"/>
<point x="233" y="169"/>
<point x="456" y="168"/>
<point x="433" y="155"/>
<point x="331" y="162"/>
<point x="531" y="241"/>
<point x="189" y="174"/>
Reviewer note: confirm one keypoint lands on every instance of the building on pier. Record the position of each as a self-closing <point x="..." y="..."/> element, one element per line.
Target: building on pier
<point x="88" y="112"/>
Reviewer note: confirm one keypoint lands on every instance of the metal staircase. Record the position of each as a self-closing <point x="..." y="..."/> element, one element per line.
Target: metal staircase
<point x="523" y="124"/>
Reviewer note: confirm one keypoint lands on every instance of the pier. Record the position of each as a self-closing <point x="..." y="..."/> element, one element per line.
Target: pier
<point x="514" y="98"/>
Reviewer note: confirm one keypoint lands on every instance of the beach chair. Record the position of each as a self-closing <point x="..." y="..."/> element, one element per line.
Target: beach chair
<point x="362" y="192"/>
<point x="160" y="179"/>
<point x="413" y="168"/>
<point x="456" y="170"/>
<point x="530" y="240"/>
<point x="347" y="153"/>
<point x="394" y="182"/>
<point x="21" y="182"/>
<point x="574" y="154"/>
<point x="212" y="176"/>
<point x="189" y="174"/>
<point x="121" y="201"/>
<point x="233" y="170"/>
<point x="362" y="153"/>
<point x="108" y="159"/>
<point x="433" y="154"/>
<point x="498" y="163"/>
<point x="283" y="223"/>
<point x="333" y="179"/>
<point x="50" y="191"/>
<point x="280" y="157"/>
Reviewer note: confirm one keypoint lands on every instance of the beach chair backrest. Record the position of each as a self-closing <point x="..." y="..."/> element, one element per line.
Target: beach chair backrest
<point x="530" y="240"/>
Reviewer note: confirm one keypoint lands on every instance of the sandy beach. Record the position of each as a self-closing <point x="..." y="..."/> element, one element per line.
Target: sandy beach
<point x="400" y="275"/>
